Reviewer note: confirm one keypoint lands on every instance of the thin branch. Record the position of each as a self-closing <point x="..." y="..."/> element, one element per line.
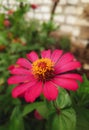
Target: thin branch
<point x="55" y="3"/>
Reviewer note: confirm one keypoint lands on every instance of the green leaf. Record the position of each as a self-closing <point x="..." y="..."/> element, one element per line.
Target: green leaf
<point x="1" y="81"/>
<point x="84" y="87"/>
<point x="30" y="107"/>
<point x="82" y="118"/>
<point x="64" y="117"/>
<point x="63" y="100"/>
<point x="3" y="39"/>
<point x="16" y="121"/>
<point x="81" y="97"/>
<point x="45" y="110"/>
<point x="2" y="17"/>
<point x="65" y="120"/>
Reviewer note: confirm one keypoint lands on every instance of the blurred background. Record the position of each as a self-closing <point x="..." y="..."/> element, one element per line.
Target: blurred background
<point x="64" y="22"/>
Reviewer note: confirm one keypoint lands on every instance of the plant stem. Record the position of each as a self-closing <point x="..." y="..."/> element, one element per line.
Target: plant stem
<point x="57" y="109"/>
<point x="53" y="9"/>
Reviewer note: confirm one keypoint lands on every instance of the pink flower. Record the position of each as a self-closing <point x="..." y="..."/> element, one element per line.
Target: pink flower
<point x="35" y="76"/>
<point x="6" y="23"/>
<point x="37" y="115"/>
<point x="34" y="6"/>
<point x="10" y="12"/>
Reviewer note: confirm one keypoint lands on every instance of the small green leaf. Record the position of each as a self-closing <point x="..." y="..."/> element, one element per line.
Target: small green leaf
<point x="45" y="111"/>
<point x="63" y="100"/>
<point x="30" y="107"/>
<point x="16" y="121"/>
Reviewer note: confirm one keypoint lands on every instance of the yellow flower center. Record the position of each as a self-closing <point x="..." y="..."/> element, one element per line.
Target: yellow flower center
<point x="43" y="69"/>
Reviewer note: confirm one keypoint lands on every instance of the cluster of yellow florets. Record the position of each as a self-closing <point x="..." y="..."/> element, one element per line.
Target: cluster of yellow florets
<point x="41" y="67"/>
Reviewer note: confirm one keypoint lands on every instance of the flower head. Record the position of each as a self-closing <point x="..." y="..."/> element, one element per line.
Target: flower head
<point x="43" y="75"/>
<point x="43" y="69"/>
<point x="10" y="12"/>
<point x="6" y="23"/>
<point x="34" y="6"/>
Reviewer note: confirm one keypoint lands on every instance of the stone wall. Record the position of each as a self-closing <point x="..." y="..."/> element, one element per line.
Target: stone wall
<point x="67" y="15"/>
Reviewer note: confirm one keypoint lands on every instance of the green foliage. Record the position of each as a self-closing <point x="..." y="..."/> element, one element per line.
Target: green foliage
<point x="30" y="107"/>
<point x="81" y="97"/>
<point x="16" y="120"/>
<point x="65" y="120"/>
<point x="48" y="27"/>
<point x="64" y="116"/>
<point x="2" y="16"/>
<point x="81" y="104"/>
<point x="82" y="118"/>
<point x="59" y="114"/>
<point x="65" y="43"/>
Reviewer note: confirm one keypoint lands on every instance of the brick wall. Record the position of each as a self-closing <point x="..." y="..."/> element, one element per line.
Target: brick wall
<point x="67" y="15"/>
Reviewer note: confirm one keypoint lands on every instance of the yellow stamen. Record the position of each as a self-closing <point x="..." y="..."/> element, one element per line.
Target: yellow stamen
<point x="43" y="68"/>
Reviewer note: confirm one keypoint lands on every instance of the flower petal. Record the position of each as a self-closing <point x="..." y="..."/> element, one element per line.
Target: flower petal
<point x="20" y="71"/>
<point x="67" y="67"/>
<point x="69" y="84"/>
<point x="24" y="63"/>
<point x="33" y="92"/>
<point x="32" y="56"/>
<point x="56" y="55"/>
<point x="50" y="91"/>
<point x="11" y="67"/>
<point x="19" y="79"/>
<point x="71" y="76"/>
<point x="66" y="58"/>
<point x="17" y="91"/>
<point x="46" y="54"/>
